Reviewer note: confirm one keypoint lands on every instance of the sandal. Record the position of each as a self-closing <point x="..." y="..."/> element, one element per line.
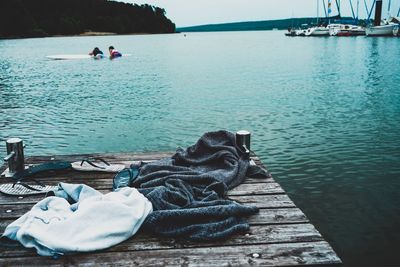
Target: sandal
<point x="125" y="177"/>
<point x="20" y="188"/>
<point x="97" y="164"/>
<point x="34" y="169"/>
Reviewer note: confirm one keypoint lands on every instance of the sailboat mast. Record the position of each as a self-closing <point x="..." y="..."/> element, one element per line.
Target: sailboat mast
<point x="352" y="9"/>
<point x="338" y="6"/>
<point x="317" y="12"/>
<point x="370" y="11"/>
<point x="366" y="7"/>
<point x="389" y="4"/>
<point x="323" y="2"/>
<point x="358" y="8"/>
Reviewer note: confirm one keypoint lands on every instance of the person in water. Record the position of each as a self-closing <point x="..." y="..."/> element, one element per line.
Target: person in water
<point x="114" y="52"/>
<point x="96" y="51"/>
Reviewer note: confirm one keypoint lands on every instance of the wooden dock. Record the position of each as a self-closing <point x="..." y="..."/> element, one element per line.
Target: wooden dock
<point x="280" y="234"/>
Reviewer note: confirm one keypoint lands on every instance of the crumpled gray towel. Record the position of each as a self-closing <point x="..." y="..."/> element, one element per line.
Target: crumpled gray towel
<point x="187" y="191"/>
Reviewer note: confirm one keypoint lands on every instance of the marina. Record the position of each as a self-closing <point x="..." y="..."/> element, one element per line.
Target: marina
<point x="280" y="234"/>
<point x="334" y="25"/>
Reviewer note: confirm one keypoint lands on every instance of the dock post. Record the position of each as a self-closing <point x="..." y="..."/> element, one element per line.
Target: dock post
<point x="15" y="155"/>
<point x="243" y="141"/>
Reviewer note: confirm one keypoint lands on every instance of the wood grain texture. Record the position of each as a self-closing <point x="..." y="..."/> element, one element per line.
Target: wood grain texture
<point x="279" y="235"/>
<point x="270" y="234"/>
<point x="281" y="254"/>
<point x="263" y="217"/>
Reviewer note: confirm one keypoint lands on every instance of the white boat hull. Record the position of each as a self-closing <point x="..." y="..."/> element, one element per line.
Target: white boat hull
<point x="301" y="32"/>
<point x="345" y="30"/>
<point x="317" y="31"/>
<point x="383" y="30"/>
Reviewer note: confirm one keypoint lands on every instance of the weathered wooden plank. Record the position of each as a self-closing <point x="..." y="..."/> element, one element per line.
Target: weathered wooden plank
<point x="309" y="253"/>
<point x="263" y="217"/>
<point x="51" y="177"/>
<point x="105" y="185"/>
<point x="266" y="201"/>
<point x="125" y="158"/>
<point x="261" y="201"/>
<point x="14" y="210"/>
<point x="256" y="189"/>
<point x="111" y="157"/>
<point x="257" y="235"/>
<point x="97" y="179"/>
<point x="278" y="216"/>
<point x="258" y="180"/>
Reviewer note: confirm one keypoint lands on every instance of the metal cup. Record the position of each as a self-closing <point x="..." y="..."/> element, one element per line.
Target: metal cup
<point x="15" y="155"/>
<point x="243" y="141"/>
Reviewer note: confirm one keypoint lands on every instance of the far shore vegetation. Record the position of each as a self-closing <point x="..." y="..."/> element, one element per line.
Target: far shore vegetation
<point x="265" y="25"/>
<point x="41" y="18"/>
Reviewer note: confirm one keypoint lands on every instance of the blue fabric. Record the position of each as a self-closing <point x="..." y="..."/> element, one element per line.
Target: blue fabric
<point x="187" y="191"/>
<point x="80" y="219"/>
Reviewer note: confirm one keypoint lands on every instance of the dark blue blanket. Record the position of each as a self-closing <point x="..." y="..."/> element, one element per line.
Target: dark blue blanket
<point x="187" y="191"/>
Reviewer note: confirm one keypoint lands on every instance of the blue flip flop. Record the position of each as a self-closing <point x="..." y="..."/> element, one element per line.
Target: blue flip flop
<point x="125" y="177"/>
<point x="47" y="166"/>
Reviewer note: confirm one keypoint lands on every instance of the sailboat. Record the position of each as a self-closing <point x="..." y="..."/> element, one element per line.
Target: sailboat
<point x="379" y="29"/>
<point x="347" y="29"/>
<point x="318" y="30"/>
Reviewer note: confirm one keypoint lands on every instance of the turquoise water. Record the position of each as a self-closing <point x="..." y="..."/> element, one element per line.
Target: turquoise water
<point x="324" y="114"/>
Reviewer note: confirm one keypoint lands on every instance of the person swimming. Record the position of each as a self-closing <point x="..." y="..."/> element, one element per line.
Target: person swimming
<point x="114" y="53"/>
<point x="96" y="52"/>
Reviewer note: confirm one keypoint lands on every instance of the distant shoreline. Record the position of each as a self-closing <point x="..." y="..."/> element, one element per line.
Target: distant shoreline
<point x="88" y="33"/>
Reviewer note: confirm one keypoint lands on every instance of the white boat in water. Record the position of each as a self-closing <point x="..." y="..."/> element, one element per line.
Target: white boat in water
<point x="302" y="31"/>
<point x="382" y="30"/>
<point x="317" y="31"/>
<point x="386" y="29"/>
<point x="345" y="30"/>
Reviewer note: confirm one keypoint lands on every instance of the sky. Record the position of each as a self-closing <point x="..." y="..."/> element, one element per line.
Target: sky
<point x="199" y="12"/>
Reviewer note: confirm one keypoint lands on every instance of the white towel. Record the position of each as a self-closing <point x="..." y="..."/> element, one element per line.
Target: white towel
<point x="94" y="221"/>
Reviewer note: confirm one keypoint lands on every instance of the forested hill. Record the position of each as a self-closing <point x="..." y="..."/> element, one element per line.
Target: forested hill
<point x="32" y="18"/>
<point x="281" y="24"/>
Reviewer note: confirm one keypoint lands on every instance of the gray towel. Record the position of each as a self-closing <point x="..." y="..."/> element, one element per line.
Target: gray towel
<point x="187" y="191"/>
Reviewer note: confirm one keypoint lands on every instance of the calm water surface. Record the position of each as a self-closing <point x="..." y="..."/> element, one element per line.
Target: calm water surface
<point x="324" y="113"/>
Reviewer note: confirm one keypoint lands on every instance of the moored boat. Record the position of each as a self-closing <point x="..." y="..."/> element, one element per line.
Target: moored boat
<point x="317" y="31"/>
<point x="381" y="30"/>
<point x="290" y="32"/>
<point x="345" y="30"/>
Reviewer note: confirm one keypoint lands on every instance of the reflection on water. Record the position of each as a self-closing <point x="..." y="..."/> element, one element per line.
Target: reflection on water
<point x="324" y="113"/>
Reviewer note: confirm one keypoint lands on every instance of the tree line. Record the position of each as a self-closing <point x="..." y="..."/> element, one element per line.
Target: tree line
<point x="38" y="18"/>
<point x="281" y="24"/>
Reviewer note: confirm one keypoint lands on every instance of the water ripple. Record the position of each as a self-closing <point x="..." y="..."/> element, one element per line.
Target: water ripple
<point x="324" y="113"/>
